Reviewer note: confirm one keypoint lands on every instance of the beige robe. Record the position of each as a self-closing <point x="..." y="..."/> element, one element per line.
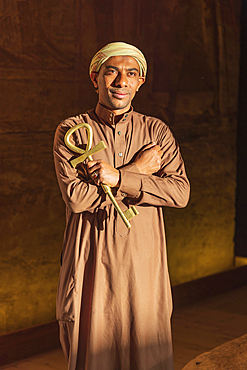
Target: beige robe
<point x="114" y="299"/>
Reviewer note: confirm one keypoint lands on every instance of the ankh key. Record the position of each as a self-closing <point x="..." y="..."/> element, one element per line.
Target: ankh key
<point x="129" y="213"/>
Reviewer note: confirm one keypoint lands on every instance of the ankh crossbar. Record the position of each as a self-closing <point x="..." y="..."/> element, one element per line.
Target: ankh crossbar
<point x="87" y="154"/>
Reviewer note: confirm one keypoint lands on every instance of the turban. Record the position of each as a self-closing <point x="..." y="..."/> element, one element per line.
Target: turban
<point x="118" y="49"/>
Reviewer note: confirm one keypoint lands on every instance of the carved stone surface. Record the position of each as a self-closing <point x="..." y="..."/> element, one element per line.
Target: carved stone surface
<point x="229" y="356"/>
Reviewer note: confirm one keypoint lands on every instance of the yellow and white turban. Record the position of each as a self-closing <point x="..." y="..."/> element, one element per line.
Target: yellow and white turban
<point x="118" y="49"/>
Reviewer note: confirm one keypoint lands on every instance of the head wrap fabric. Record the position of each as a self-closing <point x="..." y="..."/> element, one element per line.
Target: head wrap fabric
<point x="118" y="49"/>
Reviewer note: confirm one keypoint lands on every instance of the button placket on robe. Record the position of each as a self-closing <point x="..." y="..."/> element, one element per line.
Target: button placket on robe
<point x="120" y="144"/>
<point x="120" y="148"/>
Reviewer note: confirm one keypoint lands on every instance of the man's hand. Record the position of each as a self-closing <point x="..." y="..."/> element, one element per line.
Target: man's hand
<point x="148" y="160"/>
<point x="103" y="173"/>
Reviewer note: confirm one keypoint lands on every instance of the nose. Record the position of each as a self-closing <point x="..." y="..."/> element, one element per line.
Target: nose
<point x="121" y="80"/>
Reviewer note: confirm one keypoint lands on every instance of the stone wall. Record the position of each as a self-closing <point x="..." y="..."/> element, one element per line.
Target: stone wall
<point x="192" y="82"/>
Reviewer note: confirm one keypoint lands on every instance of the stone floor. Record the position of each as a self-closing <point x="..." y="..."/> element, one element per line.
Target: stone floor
<point x="196" y="329"/>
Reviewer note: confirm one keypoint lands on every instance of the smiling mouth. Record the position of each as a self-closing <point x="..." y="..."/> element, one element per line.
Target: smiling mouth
<point x="119" y="94"/>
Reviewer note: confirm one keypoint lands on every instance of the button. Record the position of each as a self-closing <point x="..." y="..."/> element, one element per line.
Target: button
<point x="124" y="194"/>
<point x="119" y="132"/>
<point x="110" y="119"/>
<point x="120" y="154"/>
<point x="111" y="114"/>
<point x="124" y="119"/>
<point x="126" y="115"/>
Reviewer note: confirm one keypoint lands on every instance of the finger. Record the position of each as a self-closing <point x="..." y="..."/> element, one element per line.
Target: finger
<point x="95" y="167"/>
<point x="96" y="177"/>
<point x="154" y="151"/>
<point x="156" y="147"/>
<point x="149" y="146"/>
<point x="158" y="150"/>
<point x="91" y="164"/>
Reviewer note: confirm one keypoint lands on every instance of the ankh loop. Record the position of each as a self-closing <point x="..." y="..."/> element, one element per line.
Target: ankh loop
<point x="129" y="213"/>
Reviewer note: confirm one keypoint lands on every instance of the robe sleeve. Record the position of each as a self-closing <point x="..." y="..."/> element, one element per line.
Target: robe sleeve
<point x="169" y="187"/>
<point x="79" y="192"/>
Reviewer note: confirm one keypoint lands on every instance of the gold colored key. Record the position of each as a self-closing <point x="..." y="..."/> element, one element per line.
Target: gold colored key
<point x="85" y="153"/>
<point x="129" y="213"/>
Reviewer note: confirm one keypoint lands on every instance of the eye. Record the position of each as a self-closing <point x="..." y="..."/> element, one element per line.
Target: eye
<point x="132" y="74"/>
<point x="110" y="71"/>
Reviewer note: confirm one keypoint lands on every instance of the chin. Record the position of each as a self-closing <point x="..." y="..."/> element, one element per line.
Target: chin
<point x="119" y="105"/>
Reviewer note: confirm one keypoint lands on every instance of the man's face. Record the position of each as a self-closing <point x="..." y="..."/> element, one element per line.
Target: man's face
<point x="117" y="82"/>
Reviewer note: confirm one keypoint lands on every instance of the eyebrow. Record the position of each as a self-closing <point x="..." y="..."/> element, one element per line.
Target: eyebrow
<point x="116" y="69"/>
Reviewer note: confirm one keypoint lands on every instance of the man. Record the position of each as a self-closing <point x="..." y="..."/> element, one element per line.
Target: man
<point x="114" y="301"/>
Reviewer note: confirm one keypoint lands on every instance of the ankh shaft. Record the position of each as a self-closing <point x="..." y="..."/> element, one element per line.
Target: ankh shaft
<point x="108" y="191"/>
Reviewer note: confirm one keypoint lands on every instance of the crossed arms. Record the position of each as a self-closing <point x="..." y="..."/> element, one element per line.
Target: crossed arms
<point x="156" y="177"/>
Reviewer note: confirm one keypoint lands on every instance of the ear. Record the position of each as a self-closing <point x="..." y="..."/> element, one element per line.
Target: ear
<point x="94" y="79"/>
<point x="141" y="82"/>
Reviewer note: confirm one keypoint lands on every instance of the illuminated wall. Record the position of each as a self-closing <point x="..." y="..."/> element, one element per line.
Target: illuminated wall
<point x="45" y="49"/>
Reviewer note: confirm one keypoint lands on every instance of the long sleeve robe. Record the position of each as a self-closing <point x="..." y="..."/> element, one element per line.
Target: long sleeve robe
<point x="114" y="299"/>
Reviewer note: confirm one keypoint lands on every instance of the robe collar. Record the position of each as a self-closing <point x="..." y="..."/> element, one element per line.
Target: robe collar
<point x="109" y="117"/>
